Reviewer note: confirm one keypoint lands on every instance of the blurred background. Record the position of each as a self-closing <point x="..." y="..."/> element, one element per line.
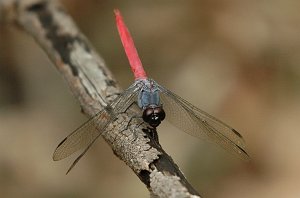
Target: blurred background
<point x="237" y="60"/>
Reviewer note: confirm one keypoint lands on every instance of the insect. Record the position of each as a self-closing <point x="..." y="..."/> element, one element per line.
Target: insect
<point x="156" y="103"/>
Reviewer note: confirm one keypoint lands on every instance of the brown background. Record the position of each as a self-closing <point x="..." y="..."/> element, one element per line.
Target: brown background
<point x="238" y="60"/>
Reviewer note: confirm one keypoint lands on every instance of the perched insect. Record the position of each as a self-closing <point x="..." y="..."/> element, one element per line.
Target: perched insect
<point x="156" y="103"/>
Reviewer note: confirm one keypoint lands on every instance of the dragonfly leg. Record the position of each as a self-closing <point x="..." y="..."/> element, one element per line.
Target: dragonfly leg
<point x="136" y="125"/>
<point x="135" y="134"/>
<point x="152" y="133"/>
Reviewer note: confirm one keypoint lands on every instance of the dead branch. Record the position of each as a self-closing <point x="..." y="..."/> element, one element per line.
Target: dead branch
<point x="94" y="86"/>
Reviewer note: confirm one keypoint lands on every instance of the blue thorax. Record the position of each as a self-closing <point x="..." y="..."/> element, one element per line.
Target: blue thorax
<point x="149" y="94"/>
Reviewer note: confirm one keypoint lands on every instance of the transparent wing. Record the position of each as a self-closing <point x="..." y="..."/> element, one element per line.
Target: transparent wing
<point x="88" y="132"/>
<point x="198" y="123"/>
<point x="82" y="136"/>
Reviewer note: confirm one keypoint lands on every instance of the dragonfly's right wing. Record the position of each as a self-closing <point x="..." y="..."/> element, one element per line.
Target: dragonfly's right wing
<point x="198" y="123"/>
<point x="88" y="132"/>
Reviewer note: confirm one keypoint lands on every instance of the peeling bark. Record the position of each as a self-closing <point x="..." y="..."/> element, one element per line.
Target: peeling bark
<point x="94" y="86"/>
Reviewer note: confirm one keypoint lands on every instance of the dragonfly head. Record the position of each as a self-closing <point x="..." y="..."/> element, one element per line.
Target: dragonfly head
<point x="154" y="115"/>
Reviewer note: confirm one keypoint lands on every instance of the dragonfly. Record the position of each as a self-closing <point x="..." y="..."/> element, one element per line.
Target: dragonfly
<point x="156" y="104"/>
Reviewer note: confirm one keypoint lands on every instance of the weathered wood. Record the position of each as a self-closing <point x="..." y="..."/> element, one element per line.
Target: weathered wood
<point x="94" y="86"/>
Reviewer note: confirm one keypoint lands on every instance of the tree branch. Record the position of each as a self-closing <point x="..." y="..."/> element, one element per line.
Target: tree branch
<point x="95" y="87"/>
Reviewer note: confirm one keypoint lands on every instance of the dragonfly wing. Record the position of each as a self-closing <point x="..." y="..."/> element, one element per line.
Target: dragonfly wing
<point x="198" y="123"/>
<point x="88" y="132"/>
<point x="82" y="136"/>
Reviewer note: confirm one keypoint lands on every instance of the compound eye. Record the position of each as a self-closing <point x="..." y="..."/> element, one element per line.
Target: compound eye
<point x="148" y="114"/>
<point x="154" y="116"/>
<point x="160" y="112"/>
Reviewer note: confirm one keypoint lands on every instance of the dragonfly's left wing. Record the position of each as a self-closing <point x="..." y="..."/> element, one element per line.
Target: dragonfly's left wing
<point x="82" y="136"/>
<point x="87" y="133"/>
<point x="198" y="123"/>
